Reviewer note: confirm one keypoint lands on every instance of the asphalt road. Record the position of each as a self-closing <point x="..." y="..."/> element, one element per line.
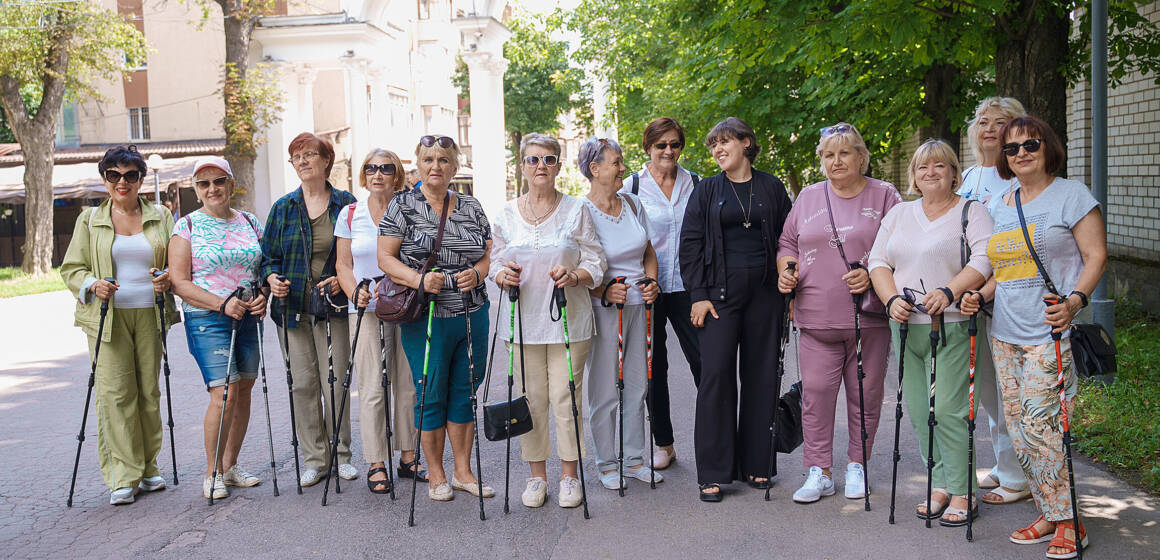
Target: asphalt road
<point x="43" y="372"/>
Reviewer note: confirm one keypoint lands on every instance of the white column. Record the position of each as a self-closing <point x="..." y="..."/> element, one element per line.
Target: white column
<point x="489" y="157"/>
<point x="297" y="81"/>
<point x="358" y="118"/>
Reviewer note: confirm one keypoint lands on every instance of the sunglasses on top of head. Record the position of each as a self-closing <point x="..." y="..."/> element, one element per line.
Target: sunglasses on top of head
<point x="217" y="182"/>
<point x="384" y="168"/>
<point x="444" y="142"/>
<point x="550" y="161"/>
<point x="131" y="177"/>
<point x="836" y="129"/>
<point x="673" y="145"/>
<point x="1032" y="145"/>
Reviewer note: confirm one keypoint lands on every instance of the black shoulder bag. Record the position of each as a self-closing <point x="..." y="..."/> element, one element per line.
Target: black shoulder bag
<point x="1092" y="350"/>
<point x="505" y="418"/>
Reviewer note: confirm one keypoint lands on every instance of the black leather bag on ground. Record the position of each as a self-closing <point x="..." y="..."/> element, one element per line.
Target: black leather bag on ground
<point x="789" y="419"/>
<point x="1092" y="350"/>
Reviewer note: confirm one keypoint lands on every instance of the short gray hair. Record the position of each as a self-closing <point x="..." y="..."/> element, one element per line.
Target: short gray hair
<point x="541" y="140"/>
<point x="593" y="152"/>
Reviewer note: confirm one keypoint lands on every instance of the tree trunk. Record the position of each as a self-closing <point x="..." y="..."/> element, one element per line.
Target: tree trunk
<point x="238" y="25"/>
<point x="518" y="137"/>
<point x="940" y="87"/>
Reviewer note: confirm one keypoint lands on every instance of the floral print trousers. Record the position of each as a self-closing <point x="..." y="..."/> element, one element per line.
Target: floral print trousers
<point x="1029" y="385"/>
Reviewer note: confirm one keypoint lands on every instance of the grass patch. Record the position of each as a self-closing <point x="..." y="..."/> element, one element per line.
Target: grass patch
<point x="1119" y="425"/>
<point x="14" y="283"/>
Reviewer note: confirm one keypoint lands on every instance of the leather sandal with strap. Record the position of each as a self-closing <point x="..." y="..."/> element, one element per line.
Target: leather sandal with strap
<point x="1061" y="541"/>
<point x="412" y="469"/>
<point x="373" y="484"/>
<point x="1031" y="535"/>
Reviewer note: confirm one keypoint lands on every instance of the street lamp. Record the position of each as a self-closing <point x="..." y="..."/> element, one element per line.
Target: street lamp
<point x="154" y="163"/>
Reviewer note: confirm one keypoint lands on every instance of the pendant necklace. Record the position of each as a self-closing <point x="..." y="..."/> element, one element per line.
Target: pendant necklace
<point x="746" y="211"/>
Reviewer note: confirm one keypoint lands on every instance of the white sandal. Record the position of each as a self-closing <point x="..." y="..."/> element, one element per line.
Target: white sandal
<point x="1007" y="496"/>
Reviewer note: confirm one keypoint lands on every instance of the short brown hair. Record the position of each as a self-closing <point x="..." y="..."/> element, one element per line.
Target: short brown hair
<point x="658" y="128"/>
<point x="1033" y="127"/>
<point x="398" y="180"/>
<point x="734" y="127"/>
<point x="311" y="140"/>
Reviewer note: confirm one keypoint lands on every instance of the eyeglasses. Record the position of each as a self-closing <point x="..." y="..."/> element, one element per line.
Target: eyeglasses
<point x="550" y="161"/>
<point x="1032" y="145"/>
<point x="217" y="182"/>
<point x="444" y="142"/>
<point x="836" y="129"/>
<point x="384" y="168"/>
<point x="673" y="145"/>
<point x="297" y="158"/>
<point x="114" y="176"/>
<point x="911" y="296"/>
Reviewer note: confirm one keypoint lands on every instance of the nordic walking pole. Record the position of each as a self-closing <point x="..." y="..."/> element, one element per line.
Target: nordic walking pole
<point x="903" y="328"/>
<point x="217" y="453"/>
<point x="791" y="265"/>
<point x="332" y="470"/>
<point x="861" y="395"/>
<point x="423" y="391"/>
<point x="561" y="301"/>
<point x="648" y="341"/>
<point x="387" y="404"/>
<point x="290" y="385"/>
<point x="1065" y="420"/>
<point x="266" y="392"/>
<point x="513" y="298"/>
<point x="89" y="394"/>
<point x="930" y="420"/>
<point x="160" y="302"/>
<point x="619" y="375"/>
<point x="332" y="458"/>
<point x="972" y="331"/>
<point x="466" y="296"/>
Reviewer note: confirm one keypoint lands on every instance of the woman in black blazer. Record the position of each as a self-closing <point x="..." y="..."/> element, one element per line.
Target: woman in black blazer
<point x="728" y="257"/>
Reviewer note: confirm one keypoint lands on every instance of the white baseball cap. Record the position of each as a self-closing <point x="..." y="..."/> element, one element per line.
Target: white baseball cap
<point x="213" y="161"/>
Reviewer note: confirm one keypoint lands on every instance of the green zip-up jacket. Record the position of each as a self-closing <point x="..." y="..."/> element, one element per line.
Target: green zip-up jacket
<point x="90" y="258"/>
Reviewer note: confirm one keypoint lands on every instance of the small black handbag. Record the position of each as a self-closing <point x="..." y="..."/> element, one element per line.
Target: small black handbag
<point x="789" y="420"/>
<point x="504" y="419"/>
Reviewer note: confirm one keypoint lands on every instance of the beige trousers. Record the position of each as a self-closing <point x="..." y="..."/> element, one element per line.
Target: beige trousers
<point x="368" y="366"/>
<point x="547" y="377"/>
<point x="308" y="365"/>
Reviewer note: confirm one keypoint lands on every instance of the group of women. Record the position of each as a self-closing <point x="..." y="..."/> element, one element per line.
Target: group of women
<point x="597" y="281"/>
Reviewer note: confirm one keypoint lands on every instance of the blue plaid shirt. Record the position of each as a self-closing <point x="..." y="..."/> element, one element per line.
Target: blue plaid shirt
<point x="286" y="247"/>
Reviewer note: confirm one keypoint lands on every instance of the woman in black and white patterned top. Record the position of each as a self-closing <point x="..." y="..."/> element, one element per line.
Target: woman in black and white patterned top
<point x="407" y="235"/>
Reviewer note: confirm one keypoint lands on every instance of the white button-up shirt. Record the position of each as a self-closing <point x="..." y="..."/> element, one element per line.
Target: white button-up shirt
<point x="665" y="216"/>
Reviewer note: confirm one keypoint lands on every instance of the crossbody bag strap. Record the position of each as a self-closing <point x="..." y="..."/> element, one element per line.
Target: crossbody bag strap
<point x="834" y="227"/>
<point x="964" y="248"/>
<point x="439" y="235"/>
<point x="635" y="183"/>
<point x="1031" y="247"/>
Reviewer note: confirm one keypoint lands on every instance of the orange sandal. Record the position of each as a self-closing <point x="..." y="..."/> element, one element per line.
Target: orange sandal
<point x="1030" y="535"/>
<point x="1060" y="541"/>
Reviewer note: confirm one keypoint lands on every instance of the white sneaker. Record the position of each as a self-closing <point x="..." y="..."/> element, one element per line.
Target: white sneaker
<point x="237" y="476"/>
<point x="855" y="481"/>
<point x="536" y="492"/>
<point x="816" y="486"/>
<point x="310" y="477"/>
<point x="218" y="487"/>
<point x="152" y="484"/>
<point x="123" y="496"/>
<point x="570" y="494"/>
<point x="611" y="479"/>
<point x="347" y="471"/>
<point x="641" y="472"/>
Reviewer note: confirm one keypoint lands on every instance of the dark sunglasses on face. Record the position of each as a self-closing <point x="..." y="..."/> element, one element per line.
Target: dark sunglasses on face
<point x="114" y="176"/>
<point x="550" y="161"/>
<point x="218" y="182"/>
<point x="1031" y="145"/>
<point x="444" y="142"/>
<point x="673" y="145"/>
<point x="384" y="168"/>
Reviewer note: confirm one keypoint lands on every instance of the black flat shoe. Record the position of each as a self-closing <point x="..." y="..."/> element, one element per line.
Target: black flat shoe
<point x="405" y="471"/>
<point x="711" y="497"/>
<point x="758" y="484"/>
<point x="373" y="484"/>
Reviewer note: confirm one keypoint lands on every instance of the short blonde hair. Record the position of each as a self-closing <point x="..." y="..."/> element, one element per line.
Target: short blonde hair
<point x="932" y="150"/>
<point x="399" y="178"/>
<point x="846" y="133"/>
<point x="541" y="140"/>
<point x="1009" y="107"/>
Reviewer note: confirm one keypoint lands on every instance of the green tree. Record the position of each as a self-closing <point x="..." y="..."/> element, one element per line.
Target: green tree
<point x="55" y="50"/>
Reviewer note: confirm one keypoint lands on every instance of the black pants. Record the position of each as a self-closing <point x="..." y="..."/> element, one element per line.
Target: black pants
<point x="671" y="308"/>
<point x="733" y="444"/>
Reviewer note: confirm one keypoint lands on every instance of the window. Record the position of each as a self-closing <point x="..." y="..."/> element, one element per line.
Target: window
<point x="134" y="65"/>
<point x="138" y="123"/>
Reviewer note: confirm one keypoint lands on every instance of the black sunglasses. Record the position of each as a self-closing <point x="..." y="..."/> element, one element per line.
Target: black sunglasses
<point x="673" y="145"/>
<point x="911" y="296"/>
<point x="114" y="176"/>
<point x="384" y="168"/>
<point x="444" y="142"/>
<point x="550" y="161"/>
<point x="1032" y="145"/>
<point x="218" y="182"/>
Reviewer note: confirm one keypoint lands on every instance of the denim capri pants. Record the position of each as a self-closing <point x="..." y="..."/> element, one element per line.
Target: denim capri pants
<point x="449" y="385"/>
<point x="208" y="336"/>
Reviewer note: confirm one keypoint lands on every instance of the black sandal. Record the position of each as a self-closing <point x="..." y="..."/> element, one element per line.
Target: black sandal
<point x="385" y="483"/>
<point x="711" y="496"/>
<point x="405" y="471"/>
<point x="758" y="484"/>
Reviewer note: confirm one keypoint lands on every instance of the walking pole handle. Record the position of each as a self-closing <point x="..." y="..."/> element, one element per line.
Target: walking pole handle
<point x="364" y="283"/>
<point x="791" y="266"/>
<point x="644" y="283"/>
<point x="855" y="265"/>
<point x="604" y="296"/>
<point x="560" y="297"/>
<point x="1050" y="300"/>
<point x="105" y="302"/>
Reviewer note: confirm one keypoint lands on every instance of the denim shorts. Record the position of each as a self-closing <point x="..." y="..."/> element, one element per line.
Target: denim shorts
<point x="208" y="336"/>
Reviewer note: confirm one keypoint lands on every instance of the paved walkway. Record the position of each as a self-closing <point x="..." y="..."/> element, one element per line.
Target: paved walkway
<point x="43" y="371"/>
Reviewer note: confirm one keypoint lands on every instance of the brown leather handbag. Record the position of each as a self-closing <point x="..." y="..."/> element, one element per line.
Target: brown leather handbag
<point x="403" y="304"/>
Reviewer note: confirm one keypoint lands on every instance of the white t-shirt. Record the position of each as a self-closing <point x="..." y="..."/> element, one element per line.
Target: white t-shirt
<point x="982" y="183"/>
<point x="624" y="239"/>
<point x="363" y="234"/>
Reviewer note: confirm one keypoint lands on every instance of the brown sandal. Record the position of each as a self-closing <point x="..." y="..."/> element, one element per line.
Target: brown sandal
<point x="1031" y="535"/>
<point x="1060" y="541"/>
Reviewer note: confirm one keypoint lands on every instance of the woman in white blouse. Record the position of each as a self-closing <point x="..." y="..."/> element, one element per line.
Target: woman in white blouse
<point x="624" y="233"/>
<point x="918" y="246"/>
<point x="542" y="240"/>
